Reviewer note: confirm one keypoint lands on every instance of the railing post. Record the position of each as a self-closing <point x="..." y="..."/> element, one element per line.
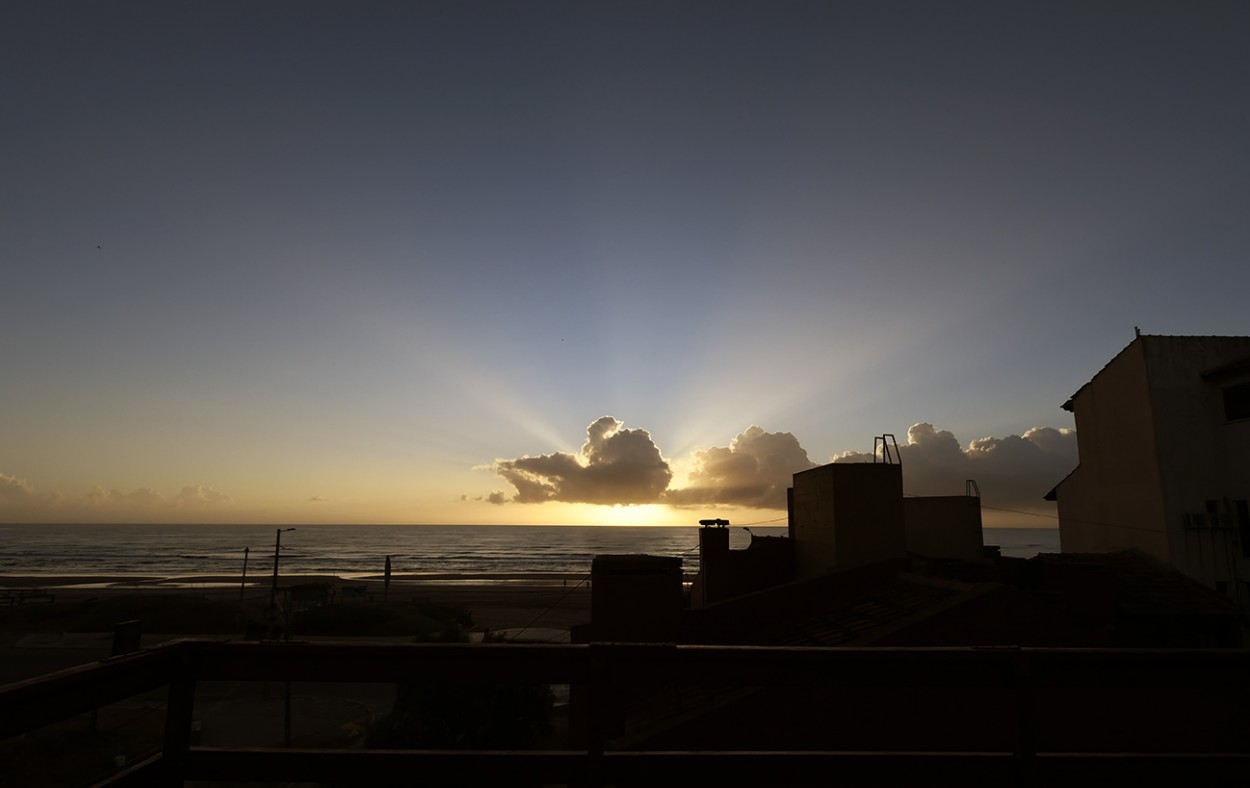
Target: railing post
<point x="600" y="706"/>
<point x="178" y="710"/>
<point x="1025" y="752"/>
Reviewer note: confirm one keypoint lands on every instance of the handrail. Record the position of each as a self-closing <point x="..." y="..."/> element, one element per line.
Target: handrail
<point x="602" y="666"/>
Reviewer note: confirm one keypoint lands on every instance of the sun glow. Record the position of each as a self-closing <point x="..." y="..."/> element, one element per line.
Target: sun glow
<point x="636" y="514"/>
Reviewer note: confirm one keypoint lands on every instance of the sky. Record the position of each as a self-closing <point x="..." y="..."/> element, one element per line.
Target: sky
<point x="568" y="262"/>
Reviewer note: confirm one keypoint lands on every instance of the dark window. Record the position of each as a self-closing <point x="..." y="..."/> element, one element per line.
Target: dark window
<point x="1237" y="402"/>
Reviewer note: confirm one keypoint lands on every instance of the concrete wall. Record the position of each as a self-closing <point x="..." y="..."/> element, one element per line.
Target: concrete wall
<point x="635" y="598"/>
<point x="713" y="582"/>
<point x="1202" y="456"/>
<point x="1114" y="500"/>
<point x="946" y="526"/>
<point x="845" y="515"/>
<point x="1157" y="454"/>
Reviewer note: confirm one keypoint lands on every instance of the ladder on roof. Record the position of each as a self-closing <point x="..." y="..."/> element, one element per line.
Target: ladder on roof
<point x="881" y="448"/>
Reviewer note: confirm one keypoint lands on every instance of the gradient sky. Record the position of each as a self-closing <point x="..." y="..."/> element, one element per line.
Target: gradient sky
<point x="384" y="262"/>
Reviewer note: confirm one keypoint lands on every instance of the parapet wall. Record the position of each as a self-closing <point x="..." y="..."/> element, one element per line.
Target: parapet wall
<point x="947" y="526"/>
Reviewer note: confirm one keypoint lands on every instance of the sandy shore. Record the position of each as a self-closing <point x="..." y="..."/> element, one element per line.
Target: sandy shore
<point x="507" y="603"/>
<point x="497" y="601"/>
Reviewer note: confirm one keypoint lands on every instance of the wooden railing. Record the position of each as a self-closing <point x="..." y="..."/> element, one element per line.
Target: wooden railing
<point x="605" y="672"/>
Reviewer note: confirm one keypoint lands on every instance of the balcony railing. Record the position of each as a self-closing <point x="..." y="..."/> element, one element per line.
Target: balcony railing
<point x="604" y="673"/>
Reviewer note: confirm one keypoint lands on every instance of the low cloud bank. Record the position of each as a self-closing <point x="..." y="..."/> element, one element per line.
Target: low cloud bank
<point x="15" y="491"/>
<point x="1012" y="472"/>
<point x="625" y="466"/>
<point x="19" y="500"/>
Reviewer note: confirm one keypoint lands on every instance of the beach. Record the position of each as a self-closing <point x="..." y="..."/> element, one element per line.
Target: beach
<point x="36" y="636"/>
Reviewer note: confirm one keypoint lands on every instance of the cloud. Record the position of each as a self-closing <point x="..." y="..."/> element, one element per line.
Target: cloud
<point x="199" y="495"/>
<point x="98" y="497"/>
<point x="317" y="499"/>
<point x="15" y="491"/>
<point x="754" y="470"/>
<point x="1012" y="472"/>
<point x="623" y="466"/>
<point x="615" y="465"/>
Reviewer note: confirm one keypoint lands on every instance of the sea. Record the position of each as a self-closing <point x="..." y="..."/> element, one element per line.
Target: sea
<point x="358" y="551"/>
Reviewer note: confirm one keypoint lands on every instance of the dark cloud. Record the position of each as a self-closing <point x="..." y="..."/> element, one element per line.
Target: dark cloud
<point x="615" y="465"/>
<point x="497" y="497"/>
<point x="1012" y="472"/>
<point x="754" y="470"/>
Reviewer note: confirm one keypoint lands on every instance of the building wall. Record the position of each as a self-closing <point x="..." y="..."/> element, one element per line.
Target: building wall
<point x="1202" y="457"/>
<point x="1113" y="500"/>
<point x="946" y="526"/>
<point x="1162" y="468"/>
<point x="845" y="515"/>
<point x="635" y="598"/>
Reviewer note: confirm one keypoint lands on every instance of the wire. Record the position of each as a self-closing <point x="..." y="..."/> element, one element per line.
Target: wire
<point x="550" y="607"/>
<point x="1073" y="519"/>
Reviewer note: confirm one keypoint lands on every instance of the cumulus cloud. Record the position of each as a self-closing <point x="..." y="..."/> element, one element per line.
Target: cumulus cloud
<point x="754" y="470"/>
<point x="624" y="466"/>
<point x="1012" y="472"/>
<point x="615" y="465"/>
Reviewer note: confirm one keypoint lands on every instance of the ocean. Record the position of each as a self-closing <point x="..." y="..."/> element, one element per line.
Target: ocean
<point x="361" y="550"/>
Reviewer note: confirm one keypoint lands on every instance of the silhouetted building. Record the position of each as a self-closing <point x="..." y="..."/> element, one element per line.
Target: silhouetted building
<point x="724" y="573"/>
<point x="1163" y="432"/>
<point x="944" y="526"/>
<point x="636" y="598"/>
<point x="844" y="515"/>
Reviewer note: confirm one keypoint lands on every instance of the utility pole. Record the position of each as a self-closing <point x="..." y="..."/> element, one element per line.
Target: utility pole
<point x="243" y="582"/>
<point x="277" y="546"/>
<point x="386" y="583"/>
<point x="273" y="592"/>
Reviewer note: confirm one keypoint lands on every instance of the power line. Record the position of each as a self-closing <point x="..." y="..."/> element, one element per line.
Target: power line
<point x="1074" y="519"/>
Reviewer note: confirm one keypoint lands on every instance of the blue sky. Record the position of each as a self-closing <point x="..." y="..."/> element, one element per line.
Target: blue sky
<point x="350" y="261"/>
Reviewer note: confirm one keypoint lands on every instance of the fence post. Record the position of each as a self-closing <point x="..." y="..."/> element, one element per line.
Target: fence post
<point x="178" y="710"/>
<point x="600" y="708"/>
<point x="1025" y="760"/>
